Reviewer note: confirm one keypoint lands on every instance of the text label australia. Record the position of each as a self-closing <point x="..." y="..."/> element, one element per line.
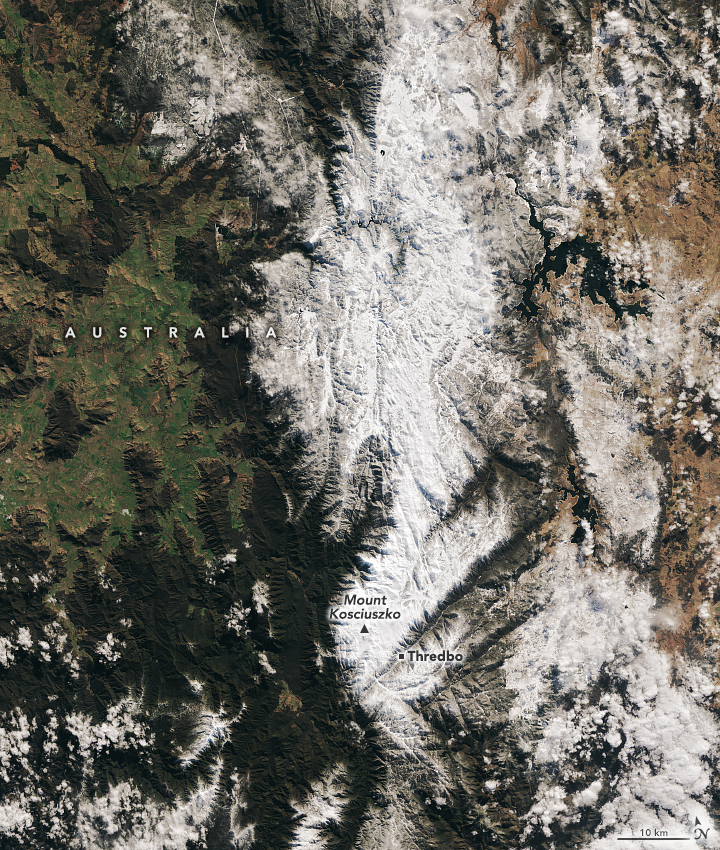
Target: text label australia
<point x="148" y="331"/>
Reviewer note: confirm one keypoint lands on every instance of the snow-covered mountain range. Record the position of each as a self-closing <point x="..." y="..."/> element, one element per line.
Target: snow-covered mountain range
<point x="496" y="369"/>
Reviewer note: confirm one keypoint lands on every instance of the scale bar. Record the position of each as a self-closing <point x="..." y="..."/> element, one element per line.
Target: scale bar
<point x="650" y="838"/>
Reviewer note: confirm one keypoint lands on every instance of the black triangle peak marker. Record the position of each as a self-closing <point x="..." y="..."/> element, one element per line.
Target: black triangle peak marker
<point x="364" y="630"/>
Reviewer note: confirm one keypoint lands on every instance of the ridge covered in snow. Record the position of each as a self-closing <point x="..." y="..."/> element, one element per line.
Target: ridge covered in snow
<point x="497" y="480"/>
